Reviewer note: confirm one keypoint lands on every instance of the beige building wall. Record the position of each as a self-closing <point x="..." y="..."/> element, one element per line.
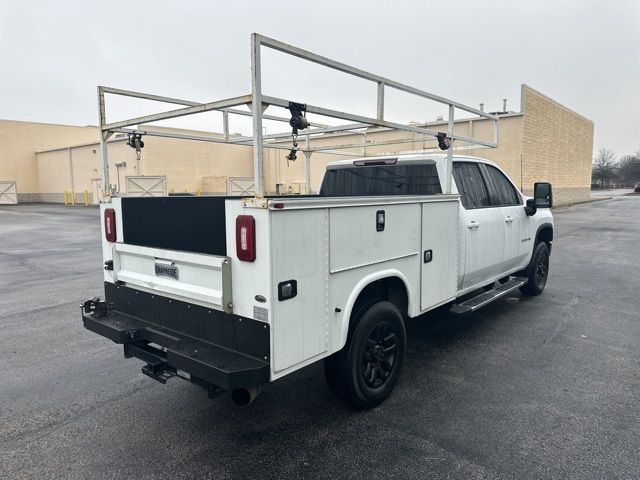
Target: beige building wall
<point x="378" y="142"/>
<point x="78" y="169"/>
<point x="18" y="144"/>
<point x="189" y="166"/>
<point x="557" y="147"/>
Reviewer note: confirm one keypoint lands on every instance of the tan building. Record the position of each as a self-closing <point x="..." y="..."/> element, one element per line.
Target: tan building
<point x="18" y="144"/>
<point x="167" y="165"/>
<point x="544" y="141"/>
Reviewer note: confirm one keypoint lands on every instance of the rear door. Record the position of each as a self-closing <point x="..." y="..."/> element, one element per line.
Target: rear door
<point x="516" y="222"/>
<point x="196" y="278"/>
<point x="482" y="228"/>
<point x="170" y="246"/>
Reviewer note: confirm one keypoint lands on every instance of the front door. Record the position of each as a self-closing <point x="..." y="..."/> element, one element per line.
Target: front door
<point x="517" y="240"/>
<point x="481" y="230"/>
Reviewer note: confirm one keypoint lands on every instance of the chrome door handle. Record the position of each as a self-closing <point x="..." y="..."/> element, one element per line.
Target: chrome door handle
<point x="473" y="224"/>
<point x="508" y="219"/>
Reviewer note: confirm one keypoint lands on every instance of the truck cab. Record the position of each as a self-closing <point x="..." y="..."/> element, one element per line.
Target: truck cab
<point x="233" y="293"/>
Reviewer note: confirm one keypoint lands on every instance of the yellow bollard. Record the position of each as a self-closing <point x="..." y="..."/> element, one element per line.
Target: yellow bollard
<point x="86" y="198"/>
<point x="198" y="193"/>
<point x="65" y="198"/>
<point x="73" y="198"/>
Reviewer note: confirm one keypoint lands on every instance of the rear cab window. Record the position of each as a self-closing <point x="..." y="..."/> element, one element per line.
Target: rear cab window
<point x="399" y="179"/>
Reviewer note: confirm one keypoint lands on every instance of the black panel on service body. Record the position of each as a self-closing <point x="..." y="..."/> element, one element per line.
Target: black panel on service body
<point x="190" y="224"/>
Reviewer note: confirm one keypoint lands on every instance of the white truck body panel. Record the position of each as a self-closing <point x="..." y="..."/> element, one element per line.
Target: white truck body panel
<point x="354" y="242"/>
<point x="300" y="251"/>
<point x="439" y="277"/>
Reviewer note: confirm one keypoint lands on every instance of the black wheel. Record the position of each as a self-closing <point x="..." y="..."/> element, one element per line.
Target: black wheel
<point x="538" y="271"/>
<point x="365" y="371"/>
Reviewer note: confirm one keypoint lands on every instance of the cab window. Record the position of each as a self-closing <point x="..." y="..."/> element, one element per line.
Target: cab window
<point x="501" y="190"/>
<point x="471" y="185"/>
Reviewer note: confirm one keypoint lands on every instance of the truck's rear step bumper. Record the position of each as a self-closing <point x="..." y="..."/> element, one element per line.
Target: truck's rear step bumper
<point x="222" y="366"/>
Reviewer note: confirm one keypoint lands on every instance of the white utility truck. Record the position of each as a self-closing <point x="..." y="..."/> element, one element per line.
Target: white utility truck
<point x="232" y="293"/>
<point x="234" y="296"/>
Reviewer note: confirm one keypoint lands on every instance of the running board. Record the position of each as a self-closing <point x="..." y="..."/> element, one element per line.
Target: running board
<point x="483" y="299"/>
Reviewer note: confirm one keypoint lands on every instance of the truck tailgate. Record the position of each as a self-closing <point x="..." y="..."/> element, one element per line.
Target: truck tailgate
<point x="195" y="277"/>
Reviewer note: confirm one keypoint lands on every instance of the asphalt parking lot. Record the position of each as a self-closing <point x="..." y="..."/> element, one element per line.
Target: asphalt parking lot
<point x="544" y="387"/>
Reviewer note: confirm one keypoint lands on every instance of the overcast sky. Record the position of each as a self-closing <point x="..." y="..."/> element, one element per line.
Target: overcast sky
<point x="585" y="54"/>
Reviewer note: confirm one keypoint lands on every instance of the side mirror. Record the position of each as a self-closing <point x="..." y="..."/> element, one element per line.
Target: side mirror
<point x="542" y="195"/>
<point x="542" y="198"/>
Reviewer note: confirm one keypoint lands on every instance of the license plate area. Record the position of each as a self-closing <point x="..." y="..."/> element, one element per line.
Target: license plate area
<point x="166" y="268"/>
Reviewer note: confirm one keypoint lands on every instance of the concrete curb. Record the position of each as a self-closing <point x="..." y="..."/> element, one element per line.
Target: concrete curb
<point x="591" y="200"/>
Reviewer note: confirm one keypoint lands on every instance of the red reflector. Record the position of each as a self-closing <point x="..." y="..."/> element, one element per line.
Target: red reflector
<point x="110" y="225"/>
<point x="246" y="238"/>
<point x="278" y="205"/>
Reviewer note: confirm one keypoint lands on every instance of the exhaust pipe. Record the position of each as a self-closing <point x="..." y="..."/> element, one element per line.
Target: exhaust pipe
<point x="244" y="396"/>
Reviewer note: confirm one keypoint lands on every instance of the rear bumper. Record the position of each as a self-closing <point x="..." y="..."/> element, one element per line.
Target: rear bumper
<point x="215" y="349"/>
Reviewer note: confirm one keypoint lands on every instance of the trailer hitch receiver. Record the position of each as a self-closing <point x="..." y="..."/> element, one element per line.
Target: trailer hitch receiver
<point x="95" y="306"/>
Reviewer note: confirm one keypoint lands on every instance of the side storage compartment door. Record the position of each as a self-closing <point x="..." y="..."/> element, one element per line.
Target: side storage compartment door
<point x="300" y="258"/>
<point x="439" y="257"/>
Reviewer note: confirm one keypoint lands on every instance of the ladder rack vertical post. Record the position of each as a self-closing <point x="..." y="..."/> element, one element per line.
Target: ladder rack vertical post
<point x="256" y="110"/>
<point x="225" y="124"/>
<point x="449" y="174"/>
<point x="106" y="190"/>
<point x="380" y="109"/>
<point x="307" y="167"/>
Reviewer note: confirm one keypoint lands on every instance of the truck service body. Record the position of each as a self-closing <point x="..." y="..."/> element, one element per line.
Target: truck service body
<point x="232" y="293"/>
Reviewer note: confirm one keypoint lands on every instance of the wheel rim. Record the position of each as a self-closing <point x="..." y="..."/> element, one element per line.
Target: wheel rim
<point x="379" y="355"/>
<point x="542" y="269"/>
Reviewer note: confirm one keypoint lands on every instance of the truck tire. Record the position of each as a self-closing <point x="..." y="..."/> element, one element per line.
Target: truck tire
<point x="537" y="271"/>
<point x="366" y="370"/>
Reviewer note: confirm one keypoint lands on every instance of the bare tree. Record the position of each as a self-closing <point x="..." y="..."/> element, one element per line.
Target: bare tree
<point x="604" y="165"/>
<point x="629" y="169"/>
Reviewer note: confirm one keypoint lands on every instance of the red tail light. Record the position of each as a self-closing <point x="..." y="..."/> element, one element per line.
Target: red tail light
<point x="110" y="225"/>
<point x="246" y="238"/>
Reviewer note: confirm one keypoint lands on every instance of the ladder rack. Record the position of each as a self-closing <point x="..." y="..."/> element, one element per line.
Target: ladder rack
<point x="259" y="140"/>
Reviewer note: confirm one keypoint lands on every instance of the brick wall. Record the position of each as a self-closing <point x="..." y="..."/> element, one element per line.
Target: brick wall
<point x="557" y="146"/>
